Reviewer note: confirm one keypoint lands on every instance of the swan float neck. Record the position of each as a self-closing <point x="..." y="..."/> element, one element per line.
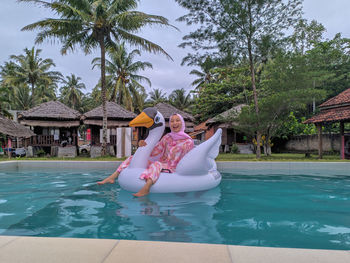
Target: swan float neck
<point x="154" y="121"/>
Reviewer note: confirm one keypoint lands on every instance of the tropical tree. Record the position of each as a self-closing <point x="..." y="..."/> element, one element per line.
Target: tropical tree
<point x="180" y="100"/>
<point x="122" y="75"/>
<point x="95" y="24"/>
<point x="156" y="96"/>
<point x="205" y="76"/>
<point x="21" y="97"/>
<point x="4" y="101"/>
<point x="71" y="93"/>
<point x="237" y="27"/>
<point x="33" y="70"/>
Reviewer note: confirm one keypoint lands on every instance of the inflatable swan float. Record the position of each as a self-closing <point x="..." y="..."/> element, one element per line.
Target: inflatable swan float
<point x="196" y="171"/>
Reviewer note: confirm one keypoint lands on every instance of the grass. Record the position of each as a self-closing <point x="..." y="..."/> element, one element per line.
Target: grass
<point x="278" y="157"/>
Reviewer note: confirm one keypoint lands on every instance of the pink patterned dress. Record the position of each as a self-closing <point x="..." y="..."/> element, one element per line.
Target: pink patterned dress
<point x="170" y="151"/>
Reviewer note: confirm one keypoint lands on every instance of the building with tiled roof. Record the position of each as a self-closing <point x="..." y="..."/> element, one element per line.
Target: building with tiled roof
<point x="336" y="109"/>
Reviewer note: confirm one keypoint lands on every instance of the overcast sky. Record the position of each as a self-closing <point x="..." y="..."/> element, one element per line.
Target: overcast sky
<point x="166" y="74"/>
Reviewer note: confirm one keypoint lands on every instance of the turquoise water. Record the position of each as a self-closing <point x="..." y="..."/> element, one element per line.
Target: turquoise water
<point x="258" y="210"/>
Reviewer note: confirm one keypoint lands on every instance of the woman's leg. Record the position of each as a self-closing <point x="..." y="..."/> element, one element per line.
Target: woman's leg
<point x="151" y="175"/>
<point x="145" y="189"/>
<point x="111" y="179"/>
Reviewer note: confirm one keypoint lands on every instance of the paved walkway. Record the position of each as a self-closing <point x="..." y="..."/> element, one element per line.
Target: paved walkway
<point x="52" y="250"/>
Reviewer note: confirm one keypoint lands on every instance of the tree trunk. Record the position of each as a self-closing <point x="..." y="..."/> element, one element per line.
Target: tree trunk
<point x="33" y="100"/>
<point x="252" y="72"/>
<point x="103" y="95"/>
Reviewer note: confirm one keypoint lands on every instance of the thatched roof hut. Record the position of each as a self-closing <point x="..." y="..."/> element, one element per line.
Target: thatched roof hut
<point x="167" y="110"/>
<point x="117" y="116"/>
<point x="50" y="114"/>
<point x="14" y="129"/>
<point x="224" y="117"/>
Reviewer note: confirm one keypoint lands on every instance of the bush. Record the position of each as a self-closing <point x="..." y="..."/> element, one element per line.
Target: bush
<point x="234" y="148"/>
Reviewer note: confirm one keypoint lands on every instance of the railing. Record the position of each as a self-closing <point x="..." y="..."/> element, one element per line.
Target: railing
<point x="48" y="140"/>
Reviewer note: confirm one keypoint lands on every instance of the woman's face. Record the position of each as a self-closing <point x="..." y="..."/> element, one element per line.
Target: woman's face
<point x="175" y="123"/>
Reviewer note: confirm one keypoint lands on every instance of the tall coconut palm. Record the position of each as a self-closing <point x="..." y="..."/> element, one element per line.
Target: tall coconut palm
<point x="96" y="24"/>
<point x="205" y="76"/>
<point x="71" y="93"/>
<point x="180" y="100"/>
<point x="33" y="70"/>
<point x="4" y="101"/>
<point x="122" y="75"/>
<point x="156" y="96"/>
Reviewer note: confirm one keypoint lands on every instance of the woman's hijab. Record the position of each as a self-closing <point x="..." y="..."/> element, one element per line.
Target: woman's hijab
<point x="181" y="135"/>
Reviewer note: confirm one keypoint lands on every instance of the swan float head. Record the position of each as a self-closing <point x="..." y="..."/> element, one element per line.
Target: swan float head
<point x="149" y="118"/>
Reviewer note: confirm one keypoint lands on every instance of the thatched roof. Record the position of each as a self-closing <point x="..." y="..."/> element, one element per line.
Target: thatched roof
<point x="114" y="111"/>
<point x="117" y="116"/>
<point x="233" y="112"/>
<point x="14" y="129"/>
<point x="167" y="110"/>
<point x="50" y="110"/>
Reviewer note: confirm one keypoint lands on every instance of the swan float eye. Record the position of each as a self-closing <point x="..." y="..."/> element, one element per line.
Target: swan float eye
<point x="156" y="119"/>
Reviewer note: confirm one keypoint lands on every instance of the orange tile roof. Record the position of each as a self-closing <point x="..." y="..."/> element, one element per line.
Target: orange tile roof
<point x="201" y="126"/>
<point x="342" y="98"/>
<point x="331" y="115"/>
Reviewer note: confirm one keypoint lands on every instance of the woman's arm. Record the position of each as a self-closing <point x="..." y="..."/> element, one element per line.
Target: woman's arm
<point x="159" y="148"/>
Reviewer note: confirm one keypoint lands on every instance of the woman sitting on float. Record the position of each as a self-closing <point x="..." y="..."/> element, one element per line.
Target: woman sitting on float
<point x="171" y="148"/>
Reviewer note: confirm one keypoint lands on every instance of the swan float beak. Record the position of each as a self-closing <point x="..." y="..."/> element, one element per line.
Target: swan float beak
<point x="142" y="120"/>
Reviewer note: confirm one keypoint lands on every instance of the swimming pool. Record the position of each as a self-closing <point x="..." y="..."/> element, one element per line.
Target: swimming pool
<point x="259" y="207"/>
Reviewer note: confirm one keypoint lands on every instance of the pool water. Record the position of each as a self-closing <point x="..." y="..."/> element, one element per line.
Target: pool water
<point x="256" y="210"/>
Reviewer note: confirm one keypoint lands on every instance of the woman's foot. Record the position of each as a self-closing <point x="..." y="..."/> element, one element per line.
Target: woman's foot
<point x="145" y="189"/>
<point x="110" y="179"/>
<point x="142" y="192"/>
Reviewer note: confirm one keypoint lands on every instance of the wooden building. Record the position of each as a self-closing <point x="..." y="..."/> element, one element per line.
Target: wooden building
<point x="117" y="117"/>
<point x="12" y="133"/>
<point x="230" y="135"/>
<point x="54" y="124"/>
<point x="334" y="110"/>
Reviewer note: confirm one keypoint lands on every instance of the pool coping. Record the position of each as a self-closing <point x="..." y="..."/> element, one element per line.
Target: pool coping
<point x="45" y="249"/>
<point x="289" y="168"/>
<point x="57" y="249"/>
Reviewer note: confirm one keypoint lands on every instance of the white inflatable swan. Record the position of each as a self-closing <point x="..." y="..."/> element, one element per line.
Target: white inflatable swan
<point x="196" y="171"/>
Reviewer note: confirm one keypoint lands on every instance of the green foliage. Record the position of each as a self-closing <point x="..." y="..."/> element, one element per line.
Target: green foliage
<point x="231" y="86"/>
<point x="234" y="148"/>
<point x="29" y="79"/>
<point x="235" y="28"/>
<point x="123" y="83"/>
<point x="293" y="126"/>
<point x="180" y="100"/>
<point x="71" y="93"/>
<point x="156" y="96"/>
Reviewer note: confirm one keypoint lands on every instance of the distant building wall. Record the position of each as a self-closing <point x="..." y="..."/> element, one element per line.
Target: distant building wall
<point x="330" y="142"/>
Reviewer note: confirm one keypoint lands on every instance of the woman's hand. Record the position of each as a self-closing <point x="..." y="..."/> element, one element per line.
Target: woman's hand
<point x="142" y="143"/>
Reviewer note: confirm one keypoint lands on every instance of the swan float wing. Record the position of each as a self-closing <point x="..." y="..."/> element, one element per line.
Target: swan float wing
<point x="201" y="159"/>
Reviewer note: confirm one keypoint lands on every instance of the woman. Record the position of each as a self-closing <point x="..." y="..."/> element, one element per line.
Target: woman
<point x="171" y="148"/>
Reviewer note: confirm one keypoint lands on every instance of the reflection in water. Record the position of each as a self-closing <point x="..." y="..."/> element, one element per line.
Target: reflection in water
<point x="185" y="217"/>
<point x="275" y="210"/>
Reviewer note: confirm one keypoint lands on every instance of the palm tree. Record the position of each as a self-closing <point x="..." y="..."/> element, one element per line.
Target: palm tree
<point x="180" y="100"/>
<point x="96" y="23"/>
<point x="31" y="69"/>
<point x="4" y="101"/>
<point x="156" y="96"/>
<point x="205" y="76"/>
<point x="71" y="93"/>
<point x="122" y="75"/>
<point x="22" y="99"/>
